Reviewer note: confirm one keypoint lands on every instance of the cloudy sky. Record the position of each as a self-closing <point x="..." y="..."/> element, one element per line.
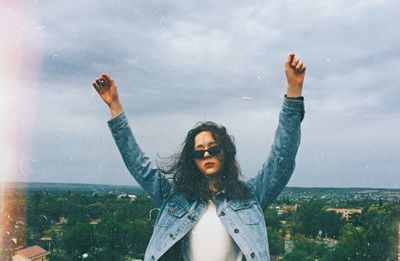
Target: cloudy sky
<point x="179" y="62"/>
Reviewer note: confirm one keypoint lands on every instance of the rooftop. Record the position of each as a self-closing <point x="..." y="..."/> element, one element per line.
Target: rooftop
<point x="32" y="252"/>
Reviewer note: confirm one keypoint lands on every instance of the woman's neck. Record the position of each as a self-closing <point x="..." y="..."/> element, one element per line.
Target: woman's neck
<point x="212" y="186"/>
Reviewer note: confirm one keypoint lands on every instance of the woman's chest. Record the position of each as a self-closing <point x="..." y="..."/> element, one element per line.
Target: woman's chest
<point x="178" y="210"/>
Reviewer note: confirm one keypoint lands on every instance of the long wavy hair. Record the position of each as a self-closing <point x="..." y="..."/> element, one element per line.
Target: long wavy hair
<point x="191" y="182"/>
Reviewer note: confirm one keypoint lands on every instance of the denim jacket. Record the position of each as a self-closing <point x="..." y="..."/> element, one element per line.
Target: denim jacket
<point x="243" y="219"/>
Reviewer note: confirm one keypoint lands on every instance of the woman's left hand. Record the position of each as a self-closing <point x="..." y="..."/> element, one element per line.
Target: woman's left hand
<point x="295" y="71"/>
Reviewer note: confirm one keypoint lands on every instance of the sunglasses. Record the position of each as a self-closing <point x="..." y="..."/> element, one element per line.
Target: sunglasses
<point x="215" y="150"/>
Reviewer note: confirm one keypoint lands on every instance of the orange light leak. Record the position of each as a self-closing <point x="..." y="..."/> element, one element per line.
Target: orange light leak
<point x="20" y="52"/>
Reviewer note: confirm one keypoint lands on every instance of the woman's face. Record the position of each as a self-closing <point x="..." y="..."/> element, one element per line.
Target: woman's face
<point x="208" y="165"/>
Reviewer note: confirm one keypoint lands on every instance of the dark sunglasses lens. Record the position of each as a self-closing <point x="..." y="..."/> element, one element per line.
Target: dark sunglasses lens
<point x="198" y="154"/>
<point x="214" y="150"/>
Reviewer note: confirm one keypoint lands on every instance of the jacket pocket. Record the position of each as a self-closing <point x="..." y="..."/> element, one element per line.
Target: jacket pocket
<point x="247" y="211"/>
<point x="171" y="213"/>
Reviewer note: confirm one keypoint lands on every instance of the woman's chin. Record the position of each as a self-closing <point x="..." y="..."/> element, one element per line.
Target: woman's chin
<point x="210" y="173"/>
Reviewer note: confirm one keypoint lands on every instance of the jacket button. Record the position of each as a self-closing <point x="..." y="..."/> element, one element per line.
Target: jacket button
<point x="252" y="254"/>
<point x="236" y="230"/>
<point x="172" y="236"/>
<point x="170" y="209"/>
<point x="192" y="217"/>
<point x="153" y="258"/>
<point x="222" y="213"/>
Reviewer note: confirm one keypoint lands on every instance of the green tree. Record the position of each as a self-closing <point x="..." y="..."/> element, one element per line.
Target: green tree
<point x="272" y="218"/>
<point x="312" y="249"/>
<point x="312" y="218"/>
<point x="352" y="245"/>
<point x="296" y="255"/>
<point x="112" y="234"/>
<point x="139" y="235"/>
<point x="78" y="239"/>
<point x="276" y="242"/>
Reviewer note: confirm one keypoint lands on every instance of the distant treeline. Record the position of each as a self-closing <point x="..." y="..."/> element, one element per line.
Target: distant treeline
<point x="73" y="187"/>
<point x="45" y="186"/>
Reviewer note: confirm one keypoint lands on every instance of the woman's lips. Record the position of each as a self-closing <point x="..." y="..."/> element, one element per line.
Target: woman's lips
<point x="209" y="165"/>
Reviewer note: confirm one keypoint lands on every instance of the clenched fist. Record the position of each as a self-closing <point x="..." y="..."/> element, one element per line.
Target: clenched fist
<point x="295" y="70"/>
<point x="106" y="88"/>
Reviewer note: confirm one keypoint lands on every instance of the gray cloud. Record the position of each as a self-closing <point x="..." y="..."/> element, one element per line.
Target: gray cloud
<point x="179" y="62"/>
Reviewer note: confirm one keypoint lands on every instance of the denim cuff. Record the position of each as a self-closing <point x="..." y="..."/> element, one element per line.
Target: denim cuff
<point x="294" y="106"/>
<point x="117" y="121"/>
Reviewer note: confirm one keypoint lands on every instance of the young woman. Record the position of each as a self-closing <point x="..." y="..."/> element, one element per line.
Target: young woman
<point x="206" y="211"/>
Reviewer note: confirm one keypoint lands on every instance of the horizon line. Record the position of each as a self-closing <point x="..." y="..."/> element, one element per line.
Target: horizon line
<point x="125" y="185"/>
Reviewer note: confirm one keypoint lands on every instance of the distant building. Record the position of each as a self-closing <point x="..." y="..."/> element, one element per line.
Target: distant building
<point x="34" y="253"/>
<point x="347" y="213"/>
<point x="94" y="221"/>
<point x="289" y="245"/>
<point x="62" y="221"/>
<point x="280" y="210"/>
<point x="131" y="197"/>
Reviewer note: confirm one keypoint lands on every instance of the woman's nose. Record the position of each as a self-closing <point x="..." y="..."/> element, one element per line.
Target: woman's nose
<point x="206" y="154"/>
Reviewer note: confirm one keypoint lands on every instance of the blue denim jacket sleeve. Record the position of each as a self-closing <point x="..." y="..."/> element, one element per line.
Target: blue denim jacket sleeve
<point x="139" y="165"/>
<point x="278" y="168"/>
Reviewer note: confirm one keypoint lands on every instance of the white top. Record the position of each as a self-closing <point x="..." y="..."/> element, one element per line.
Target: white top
<point x="209" y="240"/>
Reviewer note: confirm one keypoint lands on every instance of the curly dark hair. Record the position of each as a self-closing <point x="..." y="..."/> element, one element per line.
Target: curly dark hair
<point x="191" y="182"/>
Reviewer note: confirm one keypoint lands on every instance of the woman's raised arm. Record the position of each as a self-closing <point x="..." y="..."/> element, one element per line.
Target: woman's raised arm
<point x="139" y="165"/>
<point x="280" y="164"/>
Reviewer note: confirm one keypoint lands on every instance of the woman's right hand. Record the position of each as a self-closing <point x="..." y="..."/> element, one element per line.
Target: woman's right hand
<point x="106" y="88"/>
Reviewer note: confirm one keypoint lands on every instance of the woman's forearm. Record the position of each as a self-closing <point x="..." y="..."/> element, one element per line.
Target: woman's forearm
<point x="116" y="109"/>
<point x="293" y="92"/>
